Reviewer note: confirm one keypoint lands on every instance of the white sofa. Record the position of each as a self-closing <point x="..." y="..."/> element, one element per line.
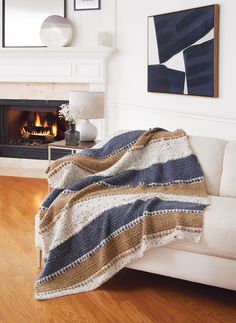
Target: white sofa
<point x="213" y="260"/>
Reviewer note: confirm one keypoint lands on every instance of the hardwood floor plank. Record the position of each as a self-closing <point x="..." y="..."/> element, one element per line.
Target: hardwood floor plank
<point x="130" y="296"/>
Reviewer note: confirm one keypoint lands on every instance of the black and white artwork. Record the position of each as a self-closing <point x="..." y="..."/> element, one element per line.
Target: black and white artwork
<point x="183" y="52"/>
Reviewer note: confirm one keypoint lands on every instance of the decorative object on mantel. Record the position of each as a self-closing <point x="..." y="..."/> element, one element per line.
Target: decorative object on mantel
<point x="91" y="105"/>
<point x="56" y="31"/>
<point x="183" y="52"/>
<point x="87" y="4"/>
<point x="102" y="38"/>
<point x="71" y="115"/>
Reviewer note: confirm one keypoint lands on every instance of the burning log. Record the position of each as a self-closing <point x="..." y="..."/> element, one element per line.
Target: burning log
<point x="39" y="131"/>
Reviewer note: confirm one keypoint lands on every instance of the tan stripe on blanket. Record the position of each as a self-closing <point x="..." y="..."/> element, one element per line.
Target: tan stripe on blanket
<point x="150" y="136"/>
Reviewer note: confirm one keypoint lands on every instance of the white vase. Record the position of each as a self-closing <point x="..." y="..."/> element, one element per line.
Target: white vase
<point x="56" y="31"/>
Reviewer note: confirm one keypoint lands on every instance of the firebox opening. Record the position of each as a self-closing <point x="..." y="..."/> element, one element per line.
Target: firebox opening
<point x="34" y="128"/>
<point x="27" y="127"/>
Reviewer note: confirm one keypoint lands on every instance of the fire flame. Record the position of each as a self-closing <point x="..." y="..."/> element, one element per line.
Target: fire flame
<point x="37" y="121"/>
<point x="46" y="130"/>
<point x="54" y="130"/>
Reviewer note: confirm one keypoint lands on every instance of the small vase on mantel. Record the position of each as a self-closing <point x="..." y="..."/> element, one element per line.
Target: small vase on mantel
<point x="72" y="136"/>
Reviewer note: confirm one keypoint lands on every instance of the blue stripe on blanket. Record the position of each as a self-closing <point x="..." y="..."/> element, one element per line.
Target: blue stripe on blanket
<point x="103" y="226"/>
<point x="162" y="173"/>
<point x="114" y="145"/>
<point x="51" y="197"/>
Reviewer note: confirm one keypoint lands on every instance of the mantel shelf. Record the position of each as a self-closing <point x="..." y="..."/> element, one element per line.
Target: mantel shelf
<point x="98" y="51"/>
<point x="61" y="64"/>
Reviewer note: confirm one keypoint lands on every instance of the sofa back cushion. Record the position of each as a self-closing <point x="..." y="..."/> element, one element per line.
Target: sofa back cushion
<point x="210" y="153"/>
<point x="228" y="178"/>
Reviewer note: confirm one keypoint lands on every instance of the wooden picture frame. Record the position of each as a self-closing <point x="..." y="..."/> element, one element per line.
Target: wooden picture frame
<point x="87" y="5"/>
<point x="183" y="52"/>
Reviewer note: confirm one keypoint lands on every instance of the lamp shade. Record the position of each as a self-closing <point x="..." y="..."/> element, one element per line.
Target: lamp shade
<point x="90" y="104"/>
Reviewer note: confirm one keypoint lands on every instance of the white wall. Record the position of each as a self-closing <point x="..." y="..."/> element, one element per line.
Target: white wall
<point x="131" y="106"/>
<point x="86" y="24"/>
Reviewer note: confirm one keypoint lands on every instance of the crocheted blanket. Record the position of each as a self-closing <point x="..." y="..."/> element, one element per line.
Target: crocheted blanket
<point x="110" y="204"/>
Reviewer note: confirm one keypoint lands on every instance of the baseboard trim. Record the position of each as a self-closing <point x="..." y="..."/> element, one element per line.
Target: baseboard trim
<point x="21" y="167"/>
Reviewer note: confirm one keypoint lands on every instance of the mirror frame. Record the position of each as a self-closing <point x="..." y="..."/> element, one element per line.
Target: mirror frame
<point x="3" y="28"/>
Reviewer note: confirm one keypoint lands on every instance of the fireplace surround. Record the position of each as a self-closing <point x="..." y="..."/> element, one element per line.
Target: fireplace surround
<point x="27" y="126"/>
<point x="64" y="68"/>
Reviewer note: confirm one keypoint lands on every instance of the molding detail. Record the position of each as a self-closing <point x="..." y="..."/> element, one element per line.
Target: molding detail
<point x="63" y="65"/>
<point x="218" y="119"/>
<point x="147" y="116"/>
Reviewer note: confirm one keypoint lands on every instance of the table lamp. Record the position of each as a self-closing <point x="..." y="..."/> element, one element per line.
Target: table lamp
<point x="91" y="106"/>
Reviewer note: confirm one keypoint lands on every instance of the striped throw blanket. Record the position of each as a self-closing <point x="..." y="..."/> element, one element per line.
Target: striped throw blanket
<point x="135" y="191"/>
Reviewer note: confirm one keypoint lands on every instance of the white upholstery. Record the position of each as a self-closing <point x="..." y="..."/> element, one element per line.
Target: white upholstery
<point x="210" y="153"/>
<point x="219" y="230"/>
<point x="228" y="179"/>
<point x="196" y="267"/>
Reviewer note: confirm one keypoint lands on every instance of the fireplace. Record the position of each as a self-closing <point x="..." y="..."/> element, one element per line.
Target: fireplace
<point x="28" y="126"/>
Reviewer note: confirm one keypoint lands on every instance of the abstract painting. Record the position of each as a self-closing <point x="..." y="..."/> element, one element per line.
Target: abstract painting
<point x="183" y="52"/>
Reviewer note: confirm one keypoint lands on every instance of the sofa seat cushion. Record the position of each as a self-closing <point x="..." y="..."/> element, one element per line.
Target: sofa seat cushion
<point x="219" y="230"/>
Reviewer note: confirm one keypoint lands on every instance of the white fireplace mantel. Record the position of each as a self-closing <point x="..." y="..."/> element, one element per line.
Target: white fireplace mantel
<point x="64" y="64"/>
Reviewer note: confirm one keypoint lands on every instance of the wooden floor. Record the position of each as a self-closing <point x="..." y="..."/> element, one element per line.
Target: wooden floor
<point x="131" y="296"/>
